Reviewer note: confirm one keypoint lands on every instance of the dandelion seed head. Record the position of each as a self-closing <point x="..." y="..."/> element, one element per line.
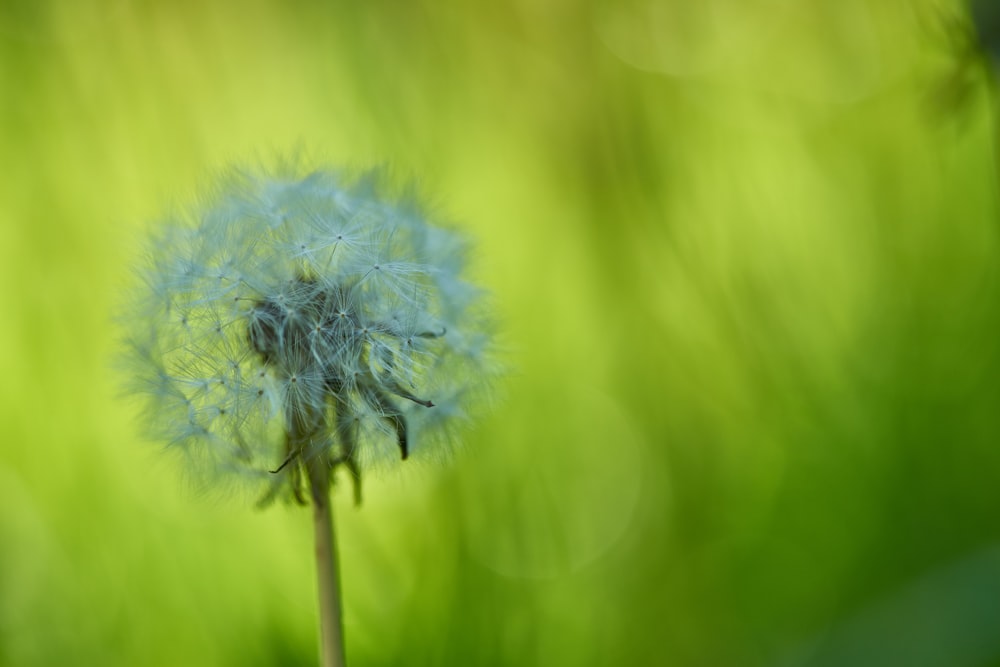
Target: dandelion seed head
<point x="304" y="304"/>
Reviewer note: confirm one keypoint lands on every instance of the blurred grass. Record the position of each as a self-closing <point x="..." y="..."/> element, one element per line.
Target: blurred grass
<point x="748" y="273"/>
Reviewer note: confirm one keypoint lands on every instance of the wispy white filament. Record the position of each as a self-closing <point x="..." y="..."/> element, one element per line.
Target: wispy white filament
<point x="304" y="300"/>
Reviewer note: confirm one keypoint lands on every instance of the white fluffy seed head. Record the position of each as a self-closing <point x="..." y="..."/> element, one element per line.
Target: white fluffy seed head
<point x="285" y="302"/>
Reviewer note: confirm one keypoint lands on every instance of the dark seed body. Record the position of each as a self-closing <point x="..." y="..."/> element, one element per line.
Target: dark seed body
<point x="312" y="329"/>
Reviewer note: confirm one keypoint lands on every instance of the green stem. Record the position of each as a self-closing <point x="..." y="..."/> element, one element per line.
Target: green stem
<point x="330" y="617"/>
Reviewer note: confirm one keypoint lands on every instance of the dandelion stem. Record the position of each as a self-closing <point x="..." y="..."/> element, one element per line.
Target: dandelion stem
<point x="330" y="619"/>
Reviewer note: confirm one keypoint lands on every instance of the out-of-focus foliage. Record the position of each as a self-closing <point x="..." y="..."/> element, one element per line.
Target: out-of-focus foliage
<point x="749" y="275"/>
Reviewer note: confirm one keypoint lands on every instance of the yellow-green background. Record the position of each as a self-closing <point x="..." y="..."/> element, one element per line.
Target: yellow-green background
<point x="745" y="254"/>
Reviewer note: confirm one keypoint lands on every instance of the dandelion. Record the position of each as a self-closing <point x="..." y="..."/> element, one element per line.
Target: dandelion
<point x="294" y="326"/>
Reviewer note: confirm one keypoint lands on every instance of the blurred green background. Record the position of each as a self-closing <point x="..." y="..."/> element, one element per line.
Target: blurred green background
<point x="746" y="255"/>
